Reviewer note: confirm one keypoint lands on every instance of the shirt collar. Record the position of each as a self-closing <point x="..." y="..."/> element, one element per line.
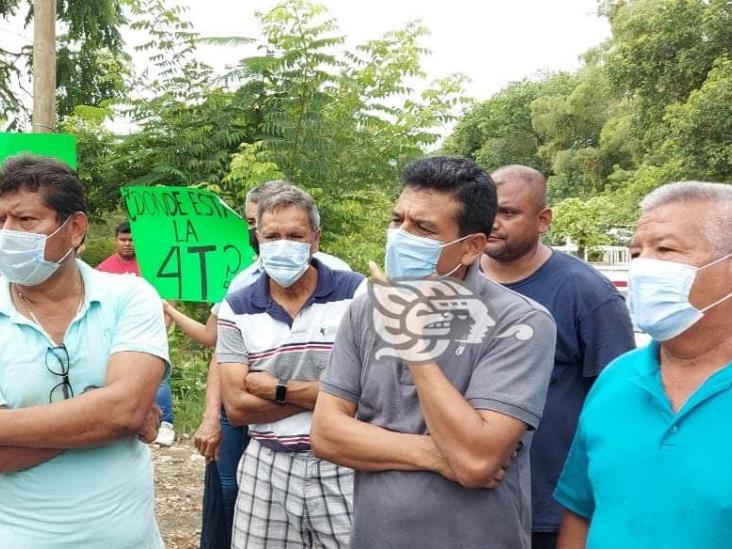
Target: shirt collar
<point x="648" y="376"/>
<point x="93" y="290"/>
<point x="474" y="277"/>
<point x="326" y="284"/>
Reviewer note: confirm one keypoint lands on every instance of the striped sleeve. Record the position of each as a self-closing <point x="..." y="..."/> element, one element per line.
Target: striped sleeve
<point x="229" y="341"/>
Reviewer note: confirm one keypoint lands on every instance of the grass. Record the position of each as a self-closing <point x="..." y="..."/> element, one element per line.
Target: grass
<point x="188" y="383"/>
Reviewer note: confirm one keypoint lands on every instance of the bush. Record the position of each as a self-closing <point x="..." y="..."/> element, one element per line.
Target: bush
<point x="188" y="379"/>
<point x="97" y="250"/>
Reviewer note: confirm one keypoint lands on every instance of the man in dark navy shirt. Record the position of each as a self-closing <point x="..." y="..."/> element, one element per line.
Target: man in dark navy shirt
<point x="593" y="326"/>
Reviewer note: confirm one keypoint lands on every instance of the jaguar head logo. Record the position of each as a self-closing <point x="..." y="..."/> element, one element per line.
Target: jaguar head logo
<point x="417" y="320"/>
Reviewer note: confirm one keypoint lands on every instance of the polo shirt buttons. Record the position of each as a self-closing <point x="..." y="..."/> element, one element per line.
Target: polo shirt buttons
<point x="674" y="428"/>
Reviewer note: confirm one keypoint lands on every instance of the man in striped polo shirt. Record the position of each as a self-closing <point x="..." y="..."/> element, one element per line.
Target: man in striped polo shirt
<point x="274" y="341"/>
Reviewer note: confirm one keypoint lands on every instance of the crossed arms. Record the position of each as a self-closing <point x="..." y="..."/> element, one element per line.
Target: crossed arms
<point x="249" y="396"/>
<point x="471" y="447"/>
<point x="122" y="408"/>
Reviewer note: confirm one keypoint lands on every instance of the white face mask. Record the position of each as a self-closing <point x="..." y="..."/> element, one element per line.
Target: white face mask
<point x="659" y="296"/>
<point x="22" y="257"/>
<point x="285" y="261"/>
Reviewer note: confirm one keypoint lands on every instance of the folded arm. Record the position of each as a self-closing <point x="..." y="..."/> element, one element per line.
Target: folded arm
<point x="299" y="392"/>
<point x="243" y="407"/>
<point x="477" y="444"/>
<point x="115" y="411"/>
<point x="14" y="459"/>
<point x="339" y="437"/>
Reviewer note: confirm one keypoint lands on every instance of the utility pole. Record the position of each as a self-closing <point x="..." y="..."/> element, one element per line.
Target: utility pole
<point x="44" y="66"/>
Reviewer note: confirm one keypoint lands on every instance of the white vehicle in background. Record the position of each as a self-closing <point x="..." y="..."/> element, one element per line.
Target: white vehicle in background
<point x="614" y="264"/>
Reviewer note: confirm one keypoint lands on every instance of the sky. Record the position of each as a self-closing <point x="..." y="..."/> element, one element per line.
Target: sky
<point x="493" y="42"/>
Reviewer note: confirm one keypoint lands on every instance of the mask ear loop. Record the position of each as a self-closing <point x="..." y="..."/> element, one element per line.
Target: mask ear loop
<point x="724" y="257"/>
<point x="719" y="260"/>
<point x="705" y="309"/>
<point x="67" y="254"/>
<point x="451" y="272"/>
<point x="459" y="264"/>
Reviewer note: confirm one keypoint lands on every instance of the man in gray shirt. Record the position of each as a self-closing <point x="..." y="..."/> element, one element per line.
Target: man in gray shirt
<point x="435" y="385"/>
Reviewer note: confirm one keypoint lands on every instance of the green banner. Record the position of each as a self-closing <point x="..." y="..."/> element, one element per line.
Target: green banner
<point x="189" y="243"/>
<point x="58" y="145"/>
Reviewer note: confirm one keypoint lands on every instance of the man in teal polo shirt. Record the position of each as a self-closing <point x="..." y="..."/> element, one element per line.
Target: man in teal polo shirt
<point x="82" y="356"/>
<point x="650" y="463"/>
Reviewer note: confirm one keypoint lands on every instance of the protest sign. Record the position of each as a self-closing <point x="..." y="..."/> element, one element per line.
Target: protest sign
<point x="189" y="243"/>
<point x="61" y="146"/>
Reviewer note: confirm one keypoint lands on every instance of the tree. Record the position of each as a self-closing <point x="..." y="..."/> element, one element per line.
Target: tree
<point x="661" y="51"/>
<point x="188" y="126"/>
<point x="700" y="129"/>
<point x="91" y="62"/>
<point x="340" y="123"/>
<point x="96" y="152"/>
<point x="585" y="222"/>
<point x="649" y="106"/>
<point x="501" y="130"/>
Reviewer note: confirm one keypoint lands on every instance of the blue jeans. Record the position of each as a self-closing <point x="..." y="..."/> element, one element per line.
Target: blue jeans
<point x="164" y="399"/>
<point x="234" y="441"/>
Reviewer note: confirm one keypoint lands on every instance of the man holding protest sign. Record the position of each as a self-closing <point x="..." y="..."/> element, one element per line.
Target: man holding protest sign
<point x="124" y="261"/>
<point x="274" y="338"/>
<point x="81" y="357"/>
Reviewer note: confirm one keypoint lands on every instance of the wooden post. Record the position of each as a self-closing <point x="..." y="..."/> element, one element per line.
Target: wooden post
<point x="44" y="66"/>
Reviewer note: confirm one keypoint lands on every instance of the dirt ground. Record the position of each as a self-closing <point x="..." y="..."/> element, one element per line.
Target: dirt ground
<point x="178" y="493"/>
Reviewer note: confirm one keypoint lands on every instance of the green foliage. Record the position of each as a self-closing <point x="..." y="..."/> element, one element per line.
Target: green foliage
<point x="187" y="381"/>
<point x="651" y="105"/>
<point x="92" y="66"/>
<point x="501" y="130"/>
<point x="661" y="51"/>
<point x="97" y="250"/>
<point x="341" y="124"/>
<point x="584" y="221"/>
<point x="96" y="156"/>
<point x="700" y="137"/>
<point x="250" y="166"/>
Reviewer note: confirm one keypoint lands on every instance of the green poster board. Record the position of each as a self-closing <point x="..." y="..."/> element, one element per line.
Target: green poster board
<point x="189" y="243"/>
<point x="58" y="145"/>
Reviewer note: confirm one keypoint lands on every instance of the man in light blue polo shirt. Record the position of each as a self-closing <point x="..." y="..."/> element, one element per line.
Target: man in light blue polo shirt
<point x="82" y="356"/>
<point x="650" y="463"/>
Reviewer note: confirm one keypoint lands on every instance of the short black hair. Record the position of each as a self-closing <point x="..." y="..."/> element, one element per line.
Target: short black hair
<point x="123" y="228"/>
<point x="62" y="190"/>
<point x="471" y="186"/>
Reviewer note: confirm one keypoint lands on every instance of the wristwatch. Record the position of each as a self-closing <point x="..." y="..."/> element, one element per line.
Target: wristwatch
<point x="281" y="391"/>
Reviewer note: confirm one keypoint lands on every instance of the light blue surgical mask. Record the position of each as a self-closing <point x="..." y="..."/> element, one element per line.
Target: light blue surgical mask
<point x="22" y="257"/>
<point x="413" y="257"/>
<point x="285" y="261"/>
<point x="658" y="296"/>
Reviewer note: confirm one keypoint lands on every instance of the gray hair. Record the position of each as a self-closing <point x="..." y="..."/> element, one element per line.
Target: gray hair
<point x="717" y="219"/>
<point x="286" y="196"/>
<point x="255" y="193"/>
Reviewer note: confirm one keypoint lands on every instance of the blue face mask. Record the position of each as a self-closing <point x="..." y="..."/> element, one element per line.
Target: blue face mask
<point x="285" y="261"/>
<point x="659" y="296"/>
<point x="410" y="256"/>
